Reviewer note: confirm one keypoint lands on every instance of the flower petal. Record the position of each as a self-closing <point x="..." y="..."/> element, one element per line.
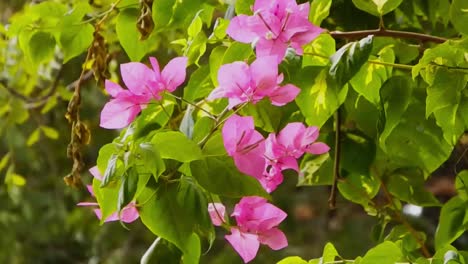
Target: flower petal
<point x="274" y="238"/>
<point x="265" y="74"/>
<point x="118" y="113"/>
<point x="283" y="95"/>
<point x="245" y="244"/>
<point x="137" y="76"/>
<point x="129" y="213"/>
<point x="174" y="73"/>
<point x="318" y="148"/>
<point x="216" y="211"/>
<point x="113" y="88"/>
<point x="246" y="29"/>
<point x="155" y="65"/>
<point x="95" y="172"/>
<point x="273" y="47"/>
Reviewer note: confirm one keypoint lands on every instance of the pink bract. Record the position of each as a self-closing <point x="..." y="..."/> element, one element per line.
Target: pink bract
<point x="257" y="222"/>
<point x="244" y="144"/>
<point x="241" y="83"/>
<point x="275" y="25"/>
<point x="217" y="212"/>
<point x="144" y="84"/>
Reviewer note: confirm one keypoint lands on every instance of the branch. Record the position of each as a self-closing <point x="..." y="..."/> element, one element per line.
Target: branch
<point x="401" y="219"/>
<point x="382" y="32"/>
<point x="336" y="164"/>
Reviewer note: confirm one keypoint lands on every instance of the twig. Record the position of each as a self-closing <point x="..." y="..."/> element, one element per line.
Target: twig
<point x="382" y="32"/>
<point x="401" y="219"/>
<point x="336" y="162"/>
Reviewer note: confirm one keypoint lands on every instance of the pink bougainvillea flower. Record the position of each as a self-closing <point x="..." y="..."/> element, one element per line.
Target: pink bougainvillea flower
<point x="275" y="25"/>
<point x="144" y="84"/>
<point x="257" y="223"/>
<point x="244" y="144"/>
<point x="128" y="214"/>
<point x="216" y="211"/>
<point x="282" y="151"/>
<point x="240" y="83"/>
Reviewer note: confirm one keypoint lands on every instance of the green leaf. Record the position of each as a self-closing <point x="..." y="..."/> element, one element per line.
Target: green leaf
<point x="175" y="145"/>
<point x="105" y="154"/>
<point x="162" y="12"/>
<point x="319" y="10"/>
<point x="166" y="215"/>
<point x="220" y="27"/>
<point x="453" y="222"/>
<point x="196" y="202"/>
<point x="195" y="27"/>
<point x="196" y="47"/>
<point x="266" y="116"/>
<point x="202" y="128"/>
<point x="461" y="184"/>
<point x="75" y="40"/>
<point x="353" y="143"/>
<point x="316" y="170"/>
<point x="319" y="97"/>
<point x="216" y="59"/>
<point x="215" y="146"/>
<point x="459" y="15"/>
<point x="369" y="79"/>
<point x="199" y="84"/>
<point x="128" y="35"/>
<point x="359" y="188"/>
<point x="237" y="52"/>
<point x="408" y="185"/>
<point x="106" y="198"/>
<point x="4" y="160"/>
<point x="329" y="253"/>
<point x="385" y="253"/>
<point x="292" y="260"/>
<point x="347" y="61"/>
<point x="244" y="6"/>
<point x="161" y="251"/>
<point x="41" y="47"/>
<point x="128" y="188"/>
<point x="49" y="132"/>
<point x="401" y="234"/>
<point x="450" y="53"/>
<point x="220" y="176"/>
<point x="33" y="137"/>
<point x="148" y="157"/>
<point x="110" y="171"/>
<point x="377" y="7"/>
<point x="319" y="51"/>
<point x="153" y="118"/>
<point x="395" y="96"/>
<point x="443" y="98"/>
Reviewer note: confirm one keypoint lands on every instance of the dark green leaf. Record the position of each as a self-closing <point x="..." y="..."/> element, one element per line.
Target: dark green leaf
<point x="347" y="61"/>
<point x="149" y="158"/>
<point x="220" y="176"/>
<point x="355" y="143"/>
<point x="316" y="170"/>
<point x="459" y="15"/>
<point x="111" y="169"/>
<point x="167" y="217"/>
<point x="452" y="223"/>
<point x="199" y="84"/>
<point x="152" y="118"/>
<point x="359" y="188"/>
<point x="461" y="184"/>
<point x="128" y="188"/>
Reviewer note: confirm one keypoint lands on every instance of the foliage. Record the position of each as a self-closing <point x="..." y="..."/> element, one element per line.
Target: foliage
<point x="243" y="90"/>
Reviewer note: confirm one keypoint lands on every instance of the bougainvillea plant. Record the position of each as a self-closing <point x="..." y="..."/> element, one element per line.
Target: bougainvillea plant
<point x="274" y="90"/>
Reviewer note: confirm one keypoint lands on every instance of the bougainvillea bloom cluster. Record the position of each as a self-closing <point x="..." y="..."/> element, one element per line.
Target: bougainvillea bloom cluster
<point x="275" y="26"/>
<point x="257" y="223"/>
<point x="144" y="84"/>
